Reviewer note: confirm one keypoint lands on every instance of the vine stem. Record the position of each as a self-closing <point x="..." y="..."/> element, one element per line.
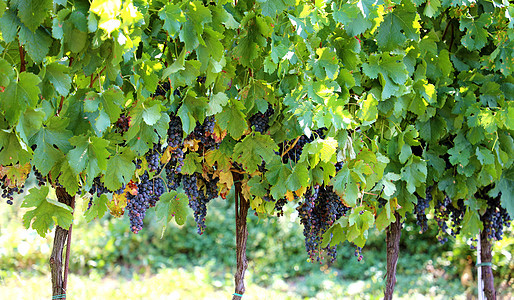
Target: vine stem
<point x="22" y="59"/>
<point x="486" y="257"/>
<point x="68" y="247"/>
<point x="241" y="207"/>
<point x="393" y="234"/>
<point x="61" y="235"/>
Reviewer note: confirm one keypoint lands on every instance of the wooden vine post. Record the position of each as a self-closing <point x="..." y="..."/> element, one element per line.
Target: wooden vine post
<point x="393" y="234"/>
<point x="60" y="276"/>
<point x="486" y="257"/>
<point x="242" y="207"/>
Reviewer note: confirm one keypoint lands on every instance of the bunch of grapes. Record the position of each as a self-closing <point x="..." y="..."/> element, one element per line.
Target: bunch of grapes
<point x="446" y="211"/>
<point x="204" y="133"/>
<point x="495" y="219"/>
<point x="320" y="208"/>
<point x="162" y="89"/>
<point x="153" y="158"/>
<point x="174" y="132"/>
<point x="98" y="188"/>
<point x="123" y="124"/>
<point x="8" y="192"/>
<point x="137" y="205"/>
<point x="198" y="199"/>
<point x="420" y="207"/>
<point x="260" y="120"/>
<point x="296" y="151"/>
<point x="279" y="206"/>
<point x="41" y="180"/>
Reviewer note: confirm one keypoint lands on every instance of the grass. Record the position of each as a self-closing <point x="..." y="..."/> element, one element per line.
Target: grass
<point x="197" y="283"/>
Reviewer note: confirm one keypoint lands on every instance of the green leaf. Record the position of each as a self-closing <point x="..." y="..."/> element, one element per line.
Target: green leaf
<point x="253" y="149"/>
<point x="398" y="26"/>
<point x="346" y="186"/>
<point x="120" y="169"/>
<point x="414" y="173"/>
<point x="109" y="102"/>
<point x="46" y="210"/>
<point x="98" y="209"/>
<point x="53" y="133"/>
<point x="67" y="178"/>
<point x="37" y="44"/>
<point x="299" y="178"/>
<point x="13" y="150"/>
<point x="9" y="23"/>
<point x="277" y="175"/>
<point x="20" y="95"/>
<point x="353" y="19"/>
<point x="173" y="18"/>
<point x="172" y="205"/>
<point x="216" y="103"/>
<point x="274" y="7"/>
<point x="192" y="163"/>
<point x="89" y="154"/>
<point x="57" y="75"/>
<point x="232" y="119"/>
<point x="369" y="110"/>
<point x="392" y="71"/>
<point x="29" y="124"/>
<point x="33" y="12"/>
<point x="471" y="224"/>
<point x="476" y="34"/>
<point x="152" y="112"/>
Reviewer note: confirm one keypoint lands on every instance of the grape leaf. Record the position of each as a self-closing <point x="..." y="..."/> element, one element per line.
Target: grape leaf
<point x="216" y="103"/>
<point x="414" y="173"/>
<point x="277" y="175"/>
<point x="98" y="209"/>
<point x="476" y="34"/>
<point x="9" y="23"/>
<point x="37" y="44"/>
<point x="253" y="149"/>
<point x="172" y="205"/>
<point x="20" y="95"/>
<point x="33" y="12"/>
<point x="57" y="74"/>
<point x="173" y="18"/>
<point x="393" y="73"/>
<point x="41" y="218"/>
<point x="120" y="169"/>
<point x="89" y="154"/>
<point x="346" y="186"/>
<point x="232" y="119"/>
<point x="12" y="151"/>
<point x="398" y="26"/>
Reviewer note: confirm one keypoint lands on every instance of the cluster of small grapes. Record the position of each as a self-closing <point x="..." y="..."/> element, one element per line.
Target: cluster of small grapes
<point x="358" y="253"/>
<point x="420" y="207"/>
<point x="381" y="202"/>
<point x="123" y="124"/>
<point x="136" y="207"/>
<point x="445" y="211"/>
<point x="198" y="199"/>
<point x="320" y="208"/>
<point x="41" y="180"/>
<point x="150" y="189"/>
<point x="260" y="120"/>
<point x="162" y="89"/>
<point x="495" y="219"/>
<point x="279" y="206"/>
<point x="7" y="191"/>
<point x="98" y="188"/>
<point x="204" y="133"/>
<point x="296" y="151"/>
<point x="153" y="158"/>
<point x="174" y="131"/>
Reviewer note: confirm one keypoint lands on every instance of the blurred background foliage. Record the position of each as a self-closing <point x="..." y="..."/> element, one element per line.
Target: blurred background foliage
<point x="277" y="259"/>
